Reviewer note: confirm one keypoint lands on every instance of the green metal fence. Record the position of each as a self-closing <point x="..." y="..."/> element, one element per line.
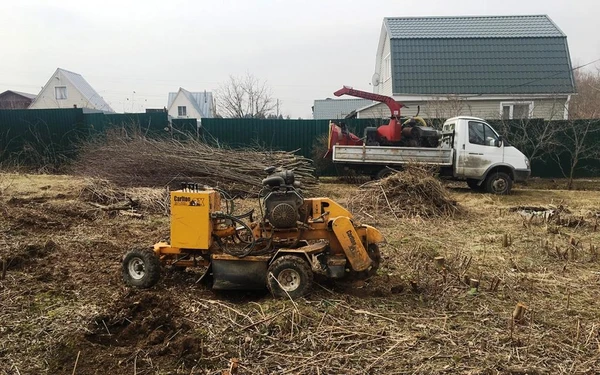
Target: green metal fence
<point x="39" y="137"/>
<point x="274" y="134"/>
<point x="49" y="137"/>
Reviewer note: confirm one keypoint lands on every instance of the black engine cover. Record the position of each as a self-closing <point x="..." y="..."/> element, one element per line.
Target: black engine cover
<point x="282" y="208"/>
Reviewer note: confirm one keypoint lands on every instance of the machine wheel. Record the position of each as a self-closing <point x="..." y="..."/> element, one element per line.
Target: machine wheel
<point x="498" y="183"/>
<point x="472" y="183"/>
<point x="141" y="268"/>
<point x="375" y="256"/>
<point x="385" y="172"/>
<point x="289" y="275"/>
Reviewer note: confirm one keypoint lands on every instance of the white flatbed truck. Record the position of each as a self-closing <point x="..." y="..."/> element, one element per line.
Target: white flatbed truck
<point x="470" y="150"/>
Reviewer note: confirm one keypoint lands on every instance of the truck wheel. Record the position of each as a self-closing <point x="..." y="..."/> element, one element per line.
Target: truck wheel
<point x="289" y="275"/>
<point x="473" y="184"/>
<point x="498" y="183"/>
<point x="141" y="268"/>
<point x="385" y="172"/>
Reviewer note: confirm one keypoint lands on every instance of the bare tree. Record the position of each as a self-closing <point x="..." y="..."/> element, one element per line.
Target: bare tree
<point x="577" y="143"/>
<point x="535" y="138"/>
<point x="586" y="104"/>
<point x="245" y="97"/>
<point x="447" y="107"/>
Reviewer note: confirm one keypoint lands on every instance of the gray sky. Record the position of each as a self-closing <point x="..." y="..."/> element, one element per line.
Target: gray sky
<point x="304" y="49"/>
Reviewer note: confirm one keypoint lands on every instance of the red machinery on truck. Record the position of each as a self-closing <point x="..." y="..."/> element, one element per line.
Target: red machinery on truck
<point x="413" y="132"/>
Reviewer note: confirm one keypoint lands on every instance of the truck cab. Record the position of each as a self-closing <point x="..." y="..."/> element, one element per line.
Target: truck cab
<point x="482" y="157"/>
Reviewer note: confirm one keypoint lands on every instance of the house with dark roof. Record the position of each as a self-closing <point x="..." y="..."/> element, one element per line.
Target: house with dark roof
<point x="485" y="66"/>
<point x="66" y="89"/>
<point x="332" y="109"/>
<point x="11" y="99"/>
<point x="186" y="104"/>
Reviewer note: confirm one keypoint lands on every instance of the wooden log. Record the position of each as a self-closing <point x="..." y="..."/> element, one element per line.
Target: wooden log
<point x="131" y="214"/>
<point x="494" y="284"/>
<point x="474" y="283"/>
<point x="519" y="312"/>
<point x="439" y="262"/>
<point x="505" y="240"/>
<point x="466" y="279"/>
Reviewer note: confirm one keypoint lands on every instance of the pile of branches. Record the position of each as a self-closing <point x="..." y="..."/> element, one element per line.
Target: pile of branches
<point x="105" y="195"/>
<point x="132" y="159"/>
<point x="414" y="191"/>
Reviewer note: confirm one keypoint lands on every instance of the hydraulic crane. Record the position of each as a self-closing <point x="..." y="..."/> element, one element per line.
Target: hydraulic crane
<point x="392" y="132"/>
<point x="413" y="132"/>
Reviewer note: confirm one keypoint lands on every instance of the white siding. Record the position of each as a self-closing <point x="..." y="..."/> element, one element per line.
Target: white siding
<point x="549" y="109"/>
<point x="182" y="100"/>
<point x="47" y="99"/>
<point x="385" y="85"/>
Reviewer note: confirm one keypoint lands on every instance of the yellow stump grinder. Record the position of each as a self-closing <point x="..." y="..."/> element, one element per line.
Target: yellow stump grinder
<point x="295" y="238"/>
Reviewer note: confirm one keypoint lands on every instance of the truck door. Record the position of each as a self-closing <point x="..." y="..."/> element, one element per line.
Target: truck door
<point x="480" y="148"/>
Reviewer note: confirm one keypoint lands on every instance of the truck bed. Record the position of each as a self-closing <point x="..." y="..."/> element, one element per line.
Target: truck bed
<point x="390" y="155"/>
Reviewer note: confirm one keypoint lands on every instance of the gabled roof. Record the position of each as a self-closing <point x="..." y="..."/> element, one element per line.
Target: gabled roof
<point x="93" y="99"/>
<point x="86" y="90"/>
<point x="535" y="26"/>
<point x="23" y="94"/>
<point x="332" y="109"/>
<point x="478" y="56"/>
<point x="202" y="101"/>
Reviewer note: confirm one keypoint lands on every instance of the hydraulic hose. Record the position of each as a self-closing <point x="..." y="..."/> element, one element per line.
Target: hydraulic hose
<point x="246" y="250"/>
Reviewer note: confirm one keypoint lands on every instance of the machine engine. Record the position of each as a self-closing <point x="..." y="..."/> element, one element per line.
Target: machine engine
<point x="282" y="198"/>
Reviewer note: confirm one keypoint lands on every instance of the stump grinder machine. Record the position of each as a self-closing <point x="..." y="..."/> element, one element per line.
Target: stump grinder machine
<point x="295" y="238"/>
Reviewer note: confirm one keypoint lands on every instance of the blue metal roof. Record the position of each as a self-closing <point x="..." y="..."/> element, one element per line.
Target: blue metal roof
<point x="472" y="27"/>
<point x="479" y="55"/>
<point x="202" y="101"/>
<point x="332" y="109"/>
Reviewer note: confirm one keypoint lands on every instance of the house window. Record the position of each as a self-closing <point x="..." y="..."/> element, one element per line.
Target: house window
<point x="516" y="110"/>
<point x="387" y="67"/>
<point x="181" y="111"/>
<point x="482" y="134"/>
<point x="60" y="92"/>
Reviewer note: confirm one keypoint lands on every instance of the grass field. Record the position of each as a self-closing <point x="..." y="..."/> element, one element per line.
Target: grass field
<point x="64" y="308"/>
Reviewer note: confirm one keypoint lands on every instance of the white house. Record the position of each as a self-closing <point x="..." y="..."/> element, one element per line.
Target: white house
<point x="486" y="66"/>
<point x="186" y="104"/>
<point x="67" y="89"/>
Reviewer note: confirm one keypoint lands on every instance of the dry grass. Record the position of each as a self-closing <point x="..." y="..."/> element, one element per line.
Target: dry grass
<point x="64" y="304"/>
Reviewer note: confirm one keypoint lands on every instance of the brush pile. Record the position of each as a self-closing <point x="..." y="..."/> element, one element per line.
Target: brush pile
<point x="414" y="191"/>
<point x="135" y="160"/>
<point x="133" y="201"/>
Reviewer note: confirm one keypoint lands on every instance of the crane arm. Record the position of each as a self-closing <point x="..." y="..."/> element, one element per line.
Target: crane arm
<point x="393" y="105"/>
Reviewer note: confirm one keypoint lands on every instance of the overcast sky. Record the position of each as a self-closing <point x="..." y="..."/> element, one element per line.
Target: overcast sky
<point x="305" y="50"/>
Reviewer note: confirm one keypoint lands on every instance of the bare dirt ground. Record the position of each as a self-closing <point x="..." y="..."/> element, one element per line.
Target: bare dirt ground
<point x="65" y="310"/>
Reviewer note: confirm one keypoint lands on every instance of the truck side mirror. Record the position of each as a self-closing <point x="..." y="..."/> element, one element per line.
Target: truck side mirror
<point x="498" y="142"/>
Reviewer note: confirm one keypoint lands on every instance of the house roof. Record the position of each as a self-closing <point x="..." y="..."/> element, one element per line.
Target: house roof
<point x="93" y="98"/>
<point x="472" y="27"/>
<point x="331" y="109"/>
<point x="478" y="56"/>
<point x="202" y="101"/>
<point x="23" y="94"/>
